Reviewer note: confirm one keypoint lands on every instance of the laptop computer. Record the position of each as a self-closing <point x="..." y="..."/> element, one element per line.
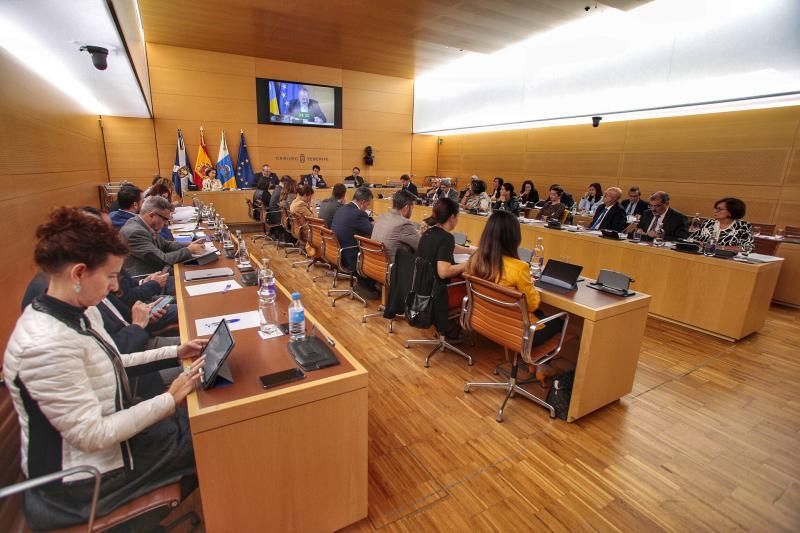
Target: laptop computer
<point x="206" y="273"/>
<point x="559" y="276"/>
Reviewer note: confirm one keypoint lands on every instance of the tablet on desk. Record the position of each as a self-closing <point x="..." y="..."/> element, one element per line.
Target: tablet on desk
<point x="216" y="351"/>
<point x="559" y="276"/>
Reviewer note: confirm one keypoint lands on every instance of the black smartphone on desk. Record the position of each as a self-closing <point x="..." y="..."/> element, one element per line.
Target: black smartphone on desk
<point x="280" y="378"/>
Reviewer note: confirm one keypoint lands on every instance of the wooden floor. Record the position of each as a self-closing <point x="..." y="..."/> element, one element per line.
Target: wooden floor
<point x="708" y="440"/>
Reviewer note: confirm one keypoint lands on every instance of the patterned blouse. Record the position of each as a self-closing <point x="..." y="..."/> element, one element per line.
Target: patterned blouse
<point x="740" y="234"/>
<point x="481" y="202"/>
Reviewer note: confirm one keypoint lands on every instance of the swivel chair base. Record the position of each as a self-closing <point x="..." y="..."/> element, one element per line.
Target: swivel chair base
<point x="379" y="312"/>
<point x="345" y="292"/>
<point x="440" y="344"/>
<point x="512" y="387"/>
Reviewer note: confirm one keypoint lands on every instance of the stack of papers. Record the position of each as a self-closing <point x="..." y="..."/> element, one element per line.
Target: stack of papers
<point x="249" y="319"/>
<point x="184" y="214"/>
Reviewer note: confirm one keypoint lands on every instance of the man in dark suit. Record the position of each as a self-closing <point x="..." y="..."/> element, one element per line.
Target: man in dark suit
<point x="305" y="109"/>
<point x="349" y="221"/>
<point x="408" y="185"/>
<point x="355" y="178"/>
<point x="610" y="215"/>
<point x="314" y="179"/>
<point x="674" y="223"/>
<point x="634" y="205"/>
<point x="267" y="173"/>
<point x="149" y="251"/>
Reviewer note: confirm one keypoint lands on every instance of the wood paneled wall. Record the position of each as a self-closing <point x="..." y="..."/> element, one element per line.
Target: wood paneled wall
<point x="51" y="154"/>
<point x="194" y="87"/>
<point x="753" y="155"/>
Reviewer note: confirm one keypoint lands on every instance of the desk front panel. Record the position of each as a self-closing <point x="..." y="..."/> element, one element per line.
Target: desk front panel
<point x="232" y="205"/>
<point x="788" y="289"/>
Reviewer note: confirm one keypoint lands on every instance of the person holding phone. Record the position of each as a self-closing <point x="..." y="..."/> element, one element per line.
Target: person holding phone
<point x="70" y="389"/>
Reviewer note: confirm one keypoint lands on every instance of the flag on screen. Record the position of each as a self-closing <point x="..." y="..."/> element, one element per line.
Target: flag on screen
<point x="244" y="171"/>
<point x="181" y="160"/>
<point x="203" y="162"/>
<point x="225" y="172"/>
<point x="288" y="92"/>
<point x="273" y="99"/>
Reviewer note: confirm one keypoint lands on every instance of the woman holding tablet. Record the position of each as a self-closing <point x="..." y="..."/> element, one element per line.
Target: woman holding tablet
<point x="71" y="391"/>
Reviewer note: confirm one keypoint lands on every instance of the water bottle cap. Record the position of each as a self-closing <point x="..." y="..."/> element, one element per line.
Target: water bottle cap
<point x="295" y="296"/>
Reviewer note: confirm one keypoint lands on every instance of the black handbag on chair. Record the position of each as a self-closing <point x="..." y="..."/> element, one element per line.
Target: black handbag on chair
<point x="419" y="301"/>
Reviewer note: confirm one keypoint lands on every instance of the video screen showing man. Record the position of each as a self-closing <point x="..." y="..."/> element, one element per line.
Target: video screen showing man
<point x="299" y="104"/>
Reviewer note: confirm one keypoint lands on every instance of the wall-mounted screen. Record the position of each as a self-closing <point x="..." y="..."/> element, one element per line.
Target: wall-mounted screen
<point x="291" y="103"/>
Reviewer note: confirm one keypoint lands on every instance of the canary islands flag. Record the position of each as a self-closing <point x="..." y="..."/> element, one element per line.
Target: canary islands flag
<point x="203" y="162"/>
<point x="225" y="172"/>
<point x="244" y="172"/>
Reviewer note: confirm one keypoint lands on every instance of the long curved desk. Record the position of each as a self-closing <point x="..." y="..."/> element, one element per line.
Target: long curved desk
<point x="721" y="297"/>
<point x="292" y="458"/>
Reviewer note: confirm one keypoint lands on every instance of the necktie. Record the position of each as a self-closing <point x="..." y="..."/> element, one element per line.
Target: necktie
<point x="653" y="224"/>
<point x="631" y="208"/>
<point x="600" y="219"/>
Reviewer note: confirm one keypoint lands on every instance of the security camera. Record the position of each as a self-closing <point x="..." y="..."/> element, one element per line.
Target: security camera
<point x="596" y="121"/>
<point x="99" y="56"/>
<point x="587" y="8"/>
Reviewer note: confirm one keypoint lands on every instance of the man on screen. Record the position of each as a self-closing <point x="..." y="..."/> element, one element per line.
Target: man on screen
<point x="304" y="108"/>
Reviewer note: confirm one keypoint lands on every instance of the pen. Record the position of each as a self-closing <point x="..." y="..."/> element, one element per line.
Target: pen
<point x="231" y="321"/>
<point x="225" y="291"/>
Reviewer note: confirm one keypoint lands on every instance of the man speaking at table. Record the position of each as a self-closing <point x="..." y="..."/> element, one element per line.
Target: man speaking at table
<point x="305" y="109"/>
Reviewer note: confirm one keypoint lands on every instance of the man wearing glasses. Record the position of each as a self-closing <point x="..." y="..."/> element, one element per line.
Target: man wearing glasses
<point x="674" y="223"/>
<point x="149" y="251"/>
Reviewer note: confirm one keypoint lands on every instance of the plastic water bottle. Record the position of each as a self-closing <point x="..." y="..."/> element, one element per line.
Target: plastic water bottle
<point x="243" y="258"/>
<point x="537" y="260"/>
<point x="695" y="223"/>
<point x="297" y="319"/>
<point x="268" y="314"/>
<point x="711" y="247"/>
<point x="658" y="240"/>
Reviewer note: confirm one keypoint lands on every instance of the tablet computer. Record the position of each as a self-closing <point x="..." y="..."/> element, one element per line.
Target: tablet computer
<point x="216" y="351"/>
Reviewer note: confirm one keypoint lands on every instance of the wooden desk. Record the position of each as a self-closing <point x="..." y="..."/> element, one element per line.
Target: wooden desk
<point x="232" y="205"/>
<point x="718" y="296"/>
<point x="293" y="458"/>
<point x="611" y="330"/>
<point x="787" y="291"/>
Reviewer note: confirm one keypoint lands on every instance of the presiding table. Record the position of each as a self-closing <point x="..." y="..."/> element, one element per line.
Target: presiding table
<point x="232" y="204"/>
<point x="721" y="297"/>
<point x="291" y="458"/>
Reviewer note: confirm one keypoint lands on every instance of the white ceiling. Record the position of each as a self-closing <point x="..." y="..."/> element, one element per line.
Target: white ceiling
<point x="44" y="35"/>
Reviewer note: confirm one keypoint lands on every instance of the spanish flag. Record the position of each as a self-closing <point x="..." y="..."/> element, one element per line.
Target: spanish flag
<point x="202" y="163"/>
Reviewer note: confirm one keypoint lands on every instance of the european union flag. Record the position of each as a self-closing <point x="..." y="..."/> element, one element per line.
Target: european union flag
<point x="244" y="171"/>
<point x="288" y="92"/>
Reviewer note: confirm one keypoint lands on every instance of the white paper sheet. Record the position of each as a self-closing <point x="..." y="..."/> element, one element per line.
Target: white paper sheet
<point x="182" y="227"/>
<point x="214" y="286"/>
<point x="461" y="258"/>
<point x="246" y="320"/>
<point x="184" y="214"/>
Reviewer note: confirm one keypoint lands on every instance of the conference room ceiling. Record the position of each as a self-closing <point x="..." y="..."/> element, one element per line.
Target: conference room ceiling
<point x="402" y="38"/>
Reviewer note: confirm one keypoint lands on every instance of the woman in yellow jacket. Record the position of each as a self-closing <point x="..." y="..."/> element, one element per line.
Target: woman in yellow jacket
<point x="497" y="260"/>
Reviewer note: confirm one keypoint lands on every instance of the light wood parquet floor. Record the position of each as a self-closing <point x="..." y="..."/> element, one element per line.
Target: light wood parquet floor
<point x="707" y="440"/>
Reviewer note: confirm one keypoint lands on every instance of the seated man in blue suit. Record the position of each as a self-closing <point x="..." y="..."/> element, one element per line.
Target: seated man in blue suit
<point x="610" y="215"/>
<point x="351" y="220"/>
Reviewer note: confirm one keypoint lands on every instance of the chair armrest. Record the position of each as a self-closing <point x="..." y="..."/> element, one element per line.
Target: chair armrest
<point x="22" y="486"/>
<point x="532" y="330"/>
<point x="339" y="258"/>
<point x="456" y="283"/>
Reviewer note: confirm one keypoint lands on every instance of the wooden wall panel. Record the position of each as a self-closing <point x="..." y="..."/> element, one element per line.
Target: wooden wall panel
<point x="193" y="88"/>
<point x="51" y="154"/>
<point x="131" y="149"/>
<point x="424" y="155"/>
<point x="754" y="155"/>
